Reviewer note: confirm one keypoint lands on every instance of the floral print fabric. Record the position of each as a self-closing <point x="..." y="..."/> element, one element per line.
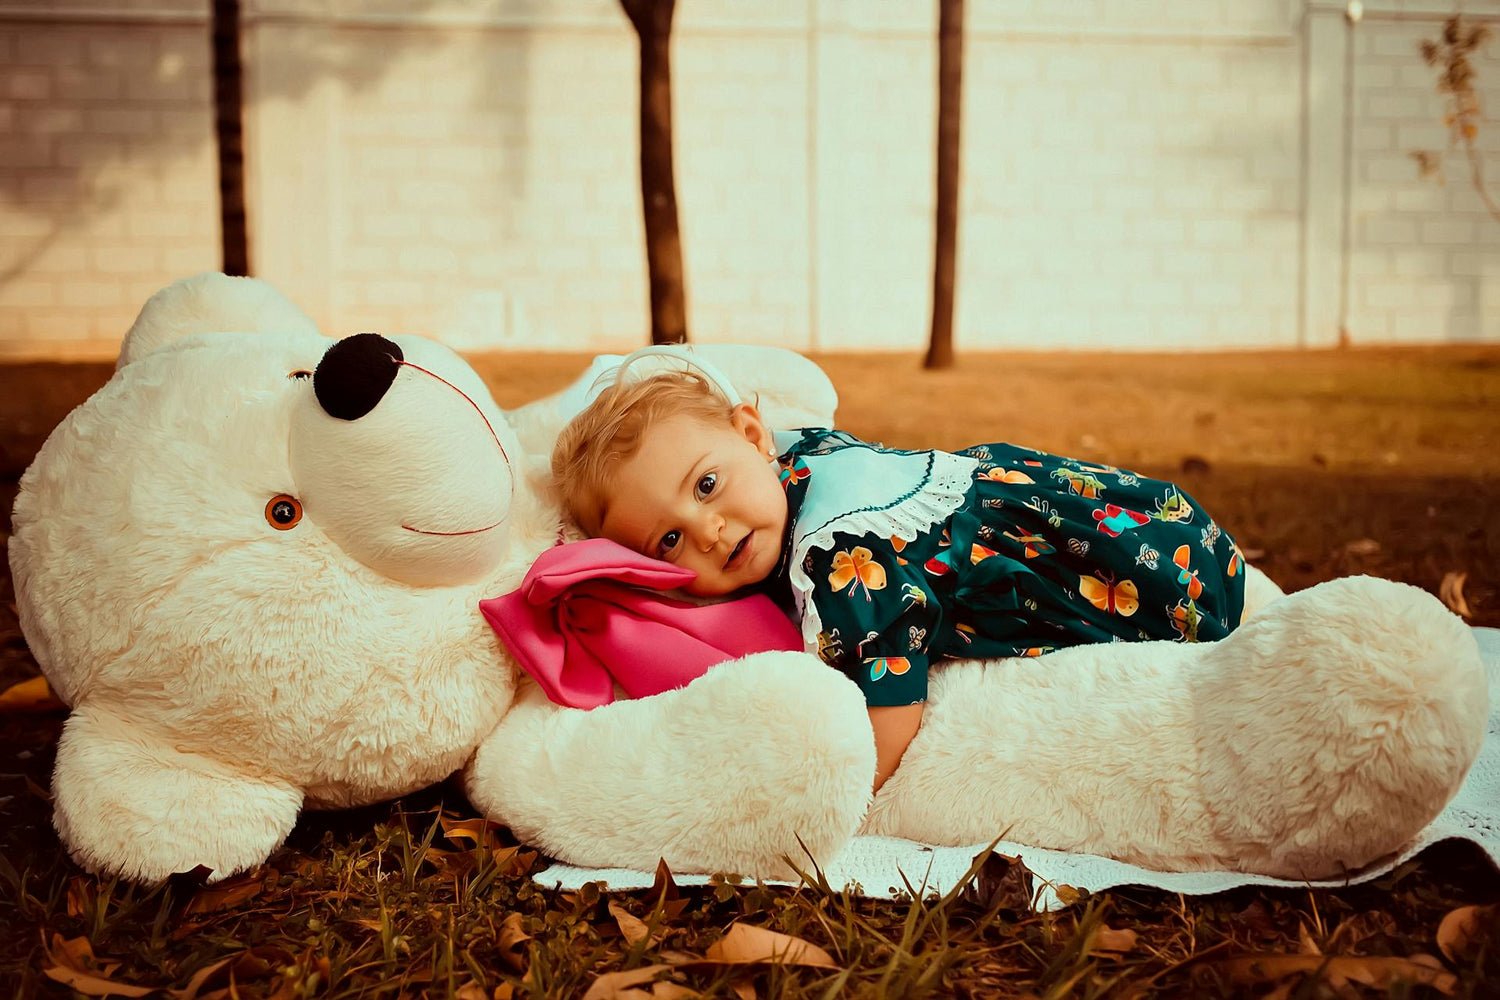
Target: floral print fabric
<point x="1046" y="552"/>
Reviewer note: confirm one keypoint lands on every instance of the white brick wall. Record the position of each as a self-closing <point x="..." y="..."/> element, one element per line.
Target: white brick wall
<point x="107" y="178"/>
<point x="1158" y="174"/>
<point x="1425" y="260"/>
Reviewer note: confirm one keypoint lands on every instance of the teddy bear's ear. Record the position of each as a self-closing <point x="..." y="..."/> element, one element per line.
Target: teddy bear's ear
<point x="210" y="303"/>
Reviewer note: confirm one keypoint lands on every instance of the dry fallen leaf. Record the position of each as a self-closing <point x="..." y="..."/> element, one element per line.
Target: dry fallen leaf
<point x="668" y="990"/>
<point x="512" y="936"/>
<point x="511" y="933"/>
<point x="471" y="991"/>
<point x="29" y="697"/>
<point x="75" y="952"/>
<point x="95" y="986"/>
<point x="619" y="985"/>
<point x="80" y="895"/>
<point x="1451" y="590"/>
<point x="477" y="830"/>
<point x="1108" y="939"/>
<point x="1379" y="972"/>
<point x="663" y="884"/>
<point x="1066" y="894"/>
<point x="74" y="964"/>
<point x="226" y="894"/>
<point x="1457" y="933"/>
<point x="743" y="944"/>
<point x="633" y="928"/>
<point x="72" y="953"/>
<point x="1002" y="882"/>
<point x="1256" y="918"/>
<point x="514" y="861"/>
<point x="191" y="990"/>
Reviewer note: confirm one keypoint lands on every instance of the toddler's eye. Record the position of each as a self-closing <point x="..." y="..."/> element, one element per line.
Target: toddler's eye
<point x="668" y="542"/>
<point x="706" y="484"/>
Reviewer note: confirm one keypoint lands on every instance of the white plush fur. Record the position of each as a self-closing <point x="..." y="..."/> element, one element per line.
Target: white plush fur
<point x="1287" y="749"/>
<point x="223" y="674"/>
<point x="210" y="303"/>
<point x="716" y="770"/>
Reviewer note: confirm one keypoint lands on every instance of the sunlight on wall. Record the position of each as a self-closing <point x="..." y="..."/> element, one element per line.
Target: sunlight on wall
<point x="1166" y="174"/>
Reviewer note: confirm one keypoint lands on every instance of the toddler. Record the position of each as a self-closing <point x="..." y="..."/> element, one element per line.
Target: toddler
<point x="894" y="558"/>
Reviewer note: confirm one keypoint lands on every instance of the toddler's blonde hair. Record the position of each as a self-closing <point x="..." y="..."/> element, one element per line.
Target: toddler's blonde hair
<point x="609" y="430"/>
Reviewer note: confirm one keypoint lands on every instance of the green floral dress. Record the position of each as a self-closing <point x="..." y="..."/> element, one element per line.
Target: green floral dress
<point x="993" y="551"/>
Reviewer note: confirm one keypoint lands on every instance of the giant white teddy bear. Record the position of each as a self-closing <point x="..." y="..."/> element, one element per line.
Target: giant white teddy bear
<point x="251" y="565"/>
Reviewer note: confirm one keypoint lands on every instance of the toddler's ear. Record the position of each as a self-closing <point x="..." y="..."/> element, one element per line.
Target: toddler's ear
<point x="747" y="420"/>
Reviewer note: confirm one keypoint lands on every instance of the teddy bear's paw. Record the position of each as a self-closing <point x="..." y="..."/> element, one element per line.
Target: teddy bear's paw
<point x="128" y="805"/>
<point x="1337" y="724"/>
<point x="725" y="774"/>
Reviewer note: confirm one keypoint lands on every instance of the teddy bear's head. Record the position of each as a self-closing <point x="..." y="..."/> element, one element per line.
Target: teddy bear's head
<point x="260" y="544"/>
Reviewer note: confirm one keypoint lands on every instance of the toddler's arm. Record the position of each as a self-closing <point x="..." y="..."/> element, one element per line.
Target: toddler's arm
<point x="894" y="726"/>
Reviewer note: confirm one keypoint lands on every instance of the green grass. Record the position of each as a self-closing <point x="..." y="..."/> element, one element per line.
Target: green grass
<point x="394" y="908"/>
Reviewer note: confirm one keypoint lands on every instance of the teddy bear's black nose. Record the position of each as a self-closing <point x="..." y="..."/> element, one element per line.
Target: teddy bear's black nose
<point x="355" y="374"/>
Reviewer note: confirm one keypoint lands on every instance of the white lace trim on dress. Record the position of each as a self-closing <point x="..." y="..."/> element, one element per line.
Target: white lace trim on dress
<point x="948" y="480"/>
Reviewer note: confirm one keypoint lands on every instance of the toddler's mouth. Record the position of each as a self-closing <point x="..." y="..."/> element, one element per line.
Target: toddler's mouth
<point x="739" y="552"/>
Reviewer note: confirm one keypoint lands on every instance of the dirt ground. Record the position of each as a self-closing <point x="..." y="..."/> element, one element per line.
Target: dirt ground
<point x="1321" y="464"/>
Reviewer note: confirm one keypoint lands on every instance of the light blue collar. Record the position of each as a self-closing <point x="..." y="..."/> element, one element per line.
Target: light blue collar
<point x="856" y="488"/>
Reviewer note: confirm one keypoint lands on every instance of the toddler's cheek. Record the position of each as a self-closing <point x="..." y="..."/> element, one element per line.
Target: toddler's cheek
<point x="698" y="588"/>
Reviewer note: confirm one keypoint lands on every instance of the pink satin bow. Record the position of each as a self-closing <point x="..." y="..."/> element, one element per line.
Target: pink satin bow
<point x="588" y="616"/>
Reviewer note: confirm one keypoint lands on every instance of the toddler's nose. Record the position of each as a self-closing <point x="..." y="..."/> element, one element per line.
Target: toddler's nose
<point x="708" y="531"/>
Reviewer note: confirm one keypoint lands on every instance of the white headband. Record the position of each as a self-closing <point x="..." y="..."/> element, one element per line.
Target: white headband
<point x="682" y="353"/>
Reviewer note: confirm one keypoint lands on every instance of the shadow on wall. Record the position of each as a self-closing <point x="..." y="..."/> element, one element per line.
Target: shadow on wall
<point x="109" y="136"/>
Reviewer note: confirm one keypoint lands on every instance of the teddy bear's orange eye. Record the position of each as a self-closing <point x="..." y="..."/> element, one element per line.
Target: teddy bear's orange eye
<point x="300" y="373"/>
<point x="283" y="512"/>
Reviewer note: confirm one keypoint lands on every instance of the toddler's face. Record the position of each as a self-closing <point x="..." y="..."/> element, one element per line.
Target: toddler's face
<point x="704" y="495"/>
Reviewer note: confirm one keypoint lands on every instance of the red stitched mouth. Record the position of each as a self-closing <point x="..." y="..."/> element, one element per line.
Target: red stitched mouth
<point x="453" y="534"/>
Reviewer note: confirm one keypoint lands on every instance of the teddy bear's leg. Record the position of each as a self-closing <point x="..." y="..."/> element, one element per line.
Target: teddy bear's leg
<point x="1348" y="715"/>
<point x="722" y="775"/>
<point x="1322" y="734"/>
<point x="127" y="803"/>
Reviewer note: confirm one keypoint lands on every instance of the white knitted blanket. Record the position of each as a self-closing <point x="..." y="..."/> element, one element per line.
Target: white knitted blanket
<point x="875" y="866"/>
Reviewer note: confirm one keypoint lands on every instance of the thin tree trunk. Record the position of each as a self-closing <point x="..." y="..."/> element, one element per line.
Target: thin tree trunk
<point x="229" y="136"/>
<point x="653" y="25"/>
<point x="950" y="91"/>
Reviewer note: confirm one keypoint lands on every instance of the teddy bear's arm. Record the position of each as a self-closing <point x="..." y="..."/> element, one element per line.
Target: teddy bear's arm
<point x="128" y="804"/>
<point x="722" y="775"/>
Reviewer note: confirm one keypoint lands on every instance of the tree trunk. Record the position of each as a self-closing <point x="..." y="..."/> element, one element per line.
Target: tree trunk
<point x="229" y="136"/>
<point x="950" y="91"/>
<point x="653" y="25"/>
